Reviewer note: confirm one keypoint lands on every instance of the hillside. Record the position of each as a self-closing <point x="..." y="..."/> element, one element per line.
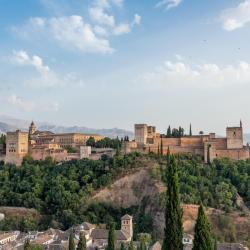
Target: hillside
<point x="130" y="190"/>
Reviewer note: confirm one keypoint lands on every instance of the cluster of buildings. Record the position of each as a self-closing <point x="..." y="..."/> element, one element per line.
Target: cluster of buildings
<point x="96" y="238"/>
<point x="42" y="144"/>
<point x="209" y="146"/>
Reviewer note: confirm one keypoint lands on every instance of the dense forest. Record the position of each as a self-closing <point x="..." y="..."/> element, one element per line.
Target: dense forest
<point x="61" y="192"/>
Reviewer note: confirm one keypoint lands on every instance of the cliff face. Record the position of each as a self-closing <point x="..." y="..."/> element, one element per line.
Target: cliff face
<point x="132" y="188"/>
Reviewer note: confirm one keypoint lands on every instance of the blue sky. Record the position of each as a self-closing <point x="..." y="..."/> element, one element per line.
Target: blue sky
<point x="113" y="63"/>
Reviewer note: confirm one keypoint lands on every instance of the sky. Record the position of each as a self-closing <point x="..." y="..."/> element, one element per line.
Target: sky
<point x="113" y="63"/>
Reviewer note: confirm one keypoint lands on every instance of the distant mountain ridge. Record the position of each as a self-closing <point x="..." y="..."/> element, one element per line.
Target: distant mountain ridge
<point x="11" y="124"/>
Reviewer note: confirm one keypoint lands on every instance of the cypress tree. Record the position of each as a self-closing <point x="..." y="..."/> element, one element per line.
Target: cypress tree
<point x="123" y="246"/>
<point x="27" y="245"/>
<point x="72" y="241"/>
<point x="131" y="245"/>
<point x="202" y="238"/>
<point x="173" y="214"/>
<point x="142" y="245"/>
<point x="158" y="150"/>
<point x="82" y="243"/>
<point x="161" y="148"/>
<point x="111" y="238"/>
<point x="169" y="133"/>
<point x="215" y="244"/>
<point x="190" y="130"/>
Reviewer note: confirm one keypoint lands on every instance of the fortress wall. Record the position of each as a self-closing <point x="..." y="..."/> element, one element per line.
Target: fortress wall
<point x="191" y="141"/>
<point x="219" y="143"/>
<point x="168" y="141"/>
<point x="235" y="154"/>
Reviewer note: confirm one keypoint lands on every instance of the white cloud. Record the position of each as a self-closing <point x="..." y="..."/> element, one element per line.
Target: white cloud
<point x="70" y="32"/>
<point x="235" y="18"/>
<point x="22" y="58"/>
<point x="74" y="33"/>
<point x="46" y="77"/>
<point x="20" y="102"/>
<point x="29" y="106"/>
<point x="123" y="28"/>
<point x="168" y="4"/>
<point x="137" y="19"/>
<point x="202" y="75"/>
<point x="98" y="15"/>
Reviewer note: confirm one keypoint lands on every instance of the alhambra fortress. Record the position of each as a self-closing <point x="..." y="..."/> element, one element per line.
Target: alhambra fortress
<point x="208" y="146"/>
<point x="42" y="144"/>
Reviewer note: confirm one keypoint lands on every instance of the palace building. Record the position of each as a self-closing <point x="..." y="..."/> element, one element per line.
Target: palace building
<point x="42" y="144"/>
<point x="209" y="146"/>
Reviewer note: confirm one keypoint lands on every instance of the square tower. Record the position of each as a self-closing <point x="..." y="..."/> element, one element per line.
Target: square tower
<point x="234" y="137"/>
<point x="17" y="145"/>
<point x="127" y="225"/>
<point x="141" y="133"/>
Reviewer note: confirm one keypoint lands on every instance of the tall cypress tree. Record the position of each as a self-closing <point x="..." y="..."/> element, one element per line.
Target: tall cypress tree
<point x="111" y="238"/>
<point x="173" y="214"/>
<point x="123" y="246"/>
<point x="202" y="238"/>
<point x="190" y="130"/>
<point x="169" y="132"/>
<point x="72" y="241"/>
<point x="131" y="245"/>
<point x="142" y="245"/>
<point x="161" y="148"/>
<point x="27" y="245"/>
<point x="82" y="243"/>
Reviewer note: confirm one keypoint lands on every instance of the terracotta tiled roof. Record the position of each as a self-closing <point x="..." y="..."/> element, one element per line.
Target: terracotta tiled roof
<point x="104" y="234"/>
<point x="127" y="217"/>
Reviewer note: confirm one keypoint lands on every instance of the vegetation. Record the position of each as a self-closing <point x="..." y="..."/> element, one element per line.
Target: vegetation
<point x="202" y="238"/>
<point x="82" y="243"/>
<point x="175" y="132"/>
<point x="61" y="193"/>
<point x="215" y="185"/>
<point x="173" y="212"/>
<point x="72" y="241"/>
<point x="111" y="238"/>
<point x="104" y="143"/>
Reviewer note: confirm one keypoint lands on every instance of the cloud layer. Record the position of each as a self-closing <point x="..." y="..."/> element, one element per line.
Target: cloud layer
<point x="202" y="75"/>
<point x="168" y="4"/>
<point x="74" y="33"/>
<point x="235" y="18"/>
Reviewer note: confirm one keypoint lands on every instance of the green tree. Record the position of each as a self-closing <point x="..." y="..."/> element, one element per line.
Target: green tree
<point x="82" y="243"/>
<point x="111" y="238"/>
<point x="72" y="241"/>
<point x="27" y="245"/>
<point x="142" y="245"/>
<point x="161" y="148"/>
<point x="123" y="246"/>
<point x="202" y="238"/>
<point x="131" y="245"/>
<point x="215" y="244"/>
<point x="173" y="213"/>
<point x="91" y="142"/>
<point x="169" y="131"/>
<point x="190" y="130"/>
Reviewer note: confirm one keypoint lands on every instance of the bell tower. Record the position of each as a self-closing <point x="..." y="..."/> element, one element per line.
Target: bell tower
<point x="127" y="225"/>
<point x="32" y="128"/>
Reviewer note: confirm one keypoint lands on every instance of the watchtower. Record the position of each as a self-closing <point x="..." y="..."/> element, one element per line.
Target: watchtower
<point x="127" y="225"/>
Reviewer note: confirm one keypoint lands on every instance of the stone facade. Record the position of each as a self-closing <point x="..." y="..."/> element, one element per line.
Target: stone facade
<point x="42" y="144"/>
<point x="17" y="146"/>
<point x="209" y="146"/>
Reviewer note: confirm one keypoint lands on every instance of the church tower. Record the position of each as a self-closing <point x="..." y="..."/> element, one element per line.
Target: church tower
<point x="127" y="225"/>
<point x="32" y="128"/>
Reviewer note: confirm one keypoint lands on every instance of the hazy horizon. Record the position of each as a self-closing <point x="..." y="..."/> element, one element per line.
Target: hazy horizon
<point x="113" y="63"/>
